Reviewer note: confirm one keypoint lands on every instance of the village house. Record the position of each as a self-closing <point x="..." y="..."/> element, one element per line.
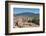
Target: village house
<point x="21" y="21"/>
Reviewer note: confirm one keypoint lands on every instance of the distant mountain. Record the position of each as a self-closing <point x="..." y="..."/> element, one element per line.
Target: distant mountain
<point x="26" y="14"/>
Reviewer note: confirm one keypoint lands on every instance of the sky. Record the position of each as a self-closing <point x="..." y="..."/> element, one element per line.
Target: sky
<point x="23" y="10"/>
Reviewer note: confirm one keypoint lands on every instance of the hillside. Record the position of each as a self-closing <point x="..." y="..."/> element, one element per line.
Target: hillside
<point x="26" y="14"/>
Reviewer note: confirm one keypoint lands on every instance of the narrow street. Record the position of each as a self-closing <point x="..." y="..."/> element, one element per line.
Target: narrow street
<point x="27" y="25"/>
